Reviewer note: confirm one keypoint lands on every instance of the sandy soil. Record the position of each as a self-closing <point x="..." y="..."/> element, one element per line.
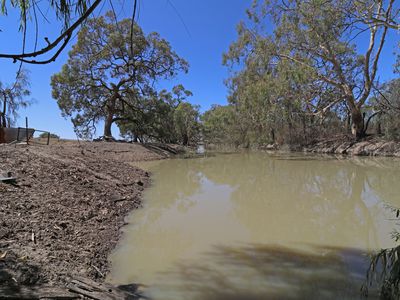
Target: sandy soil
<point x="61" y="218"/>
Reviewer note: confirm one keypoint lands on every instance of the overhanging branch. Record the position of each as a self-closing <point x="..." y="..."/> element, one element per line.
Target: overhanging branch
<point x="62" y="40"/>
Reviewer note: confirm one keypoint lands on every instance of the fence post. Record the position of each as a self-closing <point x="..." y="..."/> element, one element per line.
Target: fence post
<point x="27" y="135"/>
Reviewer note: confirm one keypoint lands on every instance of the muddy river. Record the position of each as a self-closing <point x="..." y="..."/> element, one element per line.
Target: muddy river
<point x="259" y="226"/>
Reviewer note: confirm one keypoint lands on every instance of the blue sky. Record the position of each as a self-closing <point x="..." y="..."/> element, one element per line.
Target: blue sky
<point x="199" y="31"/>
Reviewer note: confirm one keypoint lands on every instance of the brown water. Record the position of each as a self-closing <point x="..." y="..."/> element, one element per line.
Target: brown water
<point x="259" y="226"/>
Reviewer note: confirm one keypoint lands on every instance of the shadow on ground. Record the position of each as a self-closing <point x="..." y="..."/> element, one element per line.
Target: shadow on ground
<point x="14" y="284"/>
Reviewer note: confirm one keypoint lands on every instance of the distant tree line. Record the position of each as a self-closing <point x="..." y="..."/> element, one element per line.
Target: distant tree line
<point x="298" y="73"/>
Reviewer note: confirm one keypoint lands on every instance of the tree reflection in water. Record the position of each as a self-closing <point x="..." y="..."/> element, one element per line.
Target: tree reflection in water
<point x="258" y="271"/>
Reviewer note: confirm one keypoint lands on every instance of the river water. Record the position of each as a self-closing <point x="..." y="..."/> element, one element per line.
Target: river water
<point x="259" y="226"/>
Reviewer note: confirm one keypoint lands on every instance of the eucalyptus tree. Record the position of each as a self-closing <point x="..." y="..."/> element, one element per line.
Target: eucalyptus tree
<point x="320" y="37"/>
<point x="110" y="69"/>
<point x="154" y="120"/>
<point x="186" y="119"/>
<point x="221" y="126"/>
<point x="12" y="97"/>
<point x="271" y="96"/>
<point x="163" y="124"/>
<point x="388" y="97"/>
<point x="386" y="106"/>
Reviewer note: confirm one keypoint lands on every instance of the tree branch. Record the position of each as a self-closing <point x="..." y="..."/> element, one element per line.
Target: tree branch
<point x="64" y="38"/>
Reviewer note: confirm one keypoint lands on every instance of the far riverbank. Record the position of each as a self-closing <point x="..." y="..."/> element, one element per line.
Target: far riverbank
<point x="371" y="146"/>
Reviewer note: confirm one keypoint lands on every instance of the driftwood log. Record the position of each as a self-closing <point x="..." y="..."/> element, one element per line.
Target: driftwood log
<point x="99" y="291"/>
<point x="78" y="288"/>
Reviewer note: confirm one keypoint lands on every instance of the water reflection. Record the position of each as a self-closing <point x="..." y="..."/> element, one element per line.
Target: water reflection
<point x="271" y="272"/>
<point x="198" y="204"/>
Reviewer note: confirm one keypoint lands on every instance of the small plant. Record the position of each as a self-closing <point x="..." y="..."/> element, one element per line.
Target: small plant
<point x="384" y="270"/>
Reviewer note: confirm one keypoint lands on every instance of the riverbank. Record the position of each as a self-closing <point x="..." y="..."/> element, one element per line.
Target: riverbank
<point x="342" y="145"/>
<point x="371" y="146"/>
<point x="62" y="216"/>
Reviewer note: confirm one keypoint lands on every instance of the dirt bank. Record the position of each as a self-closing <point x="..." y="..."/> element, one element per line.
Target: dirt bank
<point x="62" y="216"/>
<point x="371" y="146"/>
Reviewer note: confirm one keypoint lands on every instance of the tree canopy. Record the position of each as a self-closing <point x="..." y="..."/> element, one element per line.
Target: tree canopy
<point x="186" y="118"/>
<point x="12" y="97"/>
<point x="164" y="117"/>
<point x="110" y="71"/>
<point x="299" y="71"/>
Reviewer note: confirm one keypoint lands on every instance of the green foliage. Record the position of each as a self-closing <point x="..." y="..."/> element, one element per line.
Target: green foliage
<point x="186" y="119"/>
<point x="384" y="269"/>
<point x="110" y="73"/>
<point x="304" y="78"/>
<point x="221" y="126"/>
<point x="45" y="135"/>
<point x="63" y="9"/>
<point x="388" y="103"/>
<point x="13" y="97"/>
<point x="155" y="120"/>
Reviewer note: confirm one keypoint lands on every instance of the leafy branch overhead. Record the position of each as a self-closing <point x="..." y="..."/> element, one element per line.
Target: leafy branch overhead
<point x="64" y="11"/>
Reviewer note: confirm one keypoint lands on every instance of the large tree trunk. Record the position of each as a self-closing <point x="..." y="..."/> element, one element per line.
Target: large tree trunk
<point x="185" y="139"/>
<point x="379" y="127"/>
<point x="272" y="133"/>
<point x="357" y="126"/>
<point x="3" y="120"/>
<point x="348" y="122"/>
<point x="110" y="116"/>
<point x="304" y="123"/>
<point x="107" y="125"/>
